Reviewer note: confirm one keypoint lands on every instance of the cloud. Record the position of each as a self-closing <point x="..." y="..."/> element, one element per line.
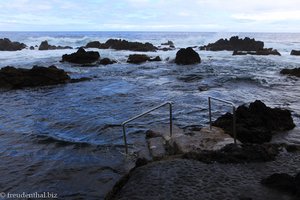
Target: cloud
<point x="269" y="16"/>
<point x="173" y="15"/>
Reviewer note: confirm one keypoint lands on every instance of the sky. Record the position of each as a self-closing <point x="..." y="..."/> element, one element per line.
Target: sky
<point x="151" y="15"/>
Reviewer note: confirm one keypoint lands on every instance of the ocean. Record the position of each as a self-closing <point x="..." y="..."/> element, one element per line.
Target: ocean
<point x="68" y="139"/>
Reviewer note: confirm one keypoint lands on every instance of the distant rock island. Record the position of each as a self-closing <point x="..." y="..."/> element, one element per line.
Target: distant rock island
<point x="240" y="46"/>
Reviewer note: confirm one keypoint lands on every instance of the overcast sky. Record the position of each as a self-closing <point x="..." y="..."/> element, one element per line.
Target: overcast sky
<point x="150" y="15"/>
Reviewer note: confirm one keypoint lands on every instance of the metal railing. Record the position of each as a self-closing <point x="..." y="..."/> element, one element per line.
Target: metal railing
<point x="233" y="113"/>
<point x="145" y="113"/>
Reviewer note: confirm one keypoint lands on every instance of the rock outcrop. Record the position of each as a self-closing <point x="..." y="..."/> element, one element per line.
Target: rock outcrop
<point x="234" y="43"/>
<point x="283" y="182"/>
<point x="122" y="45"/>
<point x="256" y="123"/>
<point x="169" y="43"/>
<point x="93" y="44"/>
<point x="107" y="61"/>
<point x="141" y="58"/>
<point x="81" y="57"/>
<point x="7" y="45"/>
<point x="14" y="78"/>
<point x="187" y="57"/>
<point x="45" y="46"/>
<point x="295" y="53"/>
<point x="291" y="72"/>
<point x="232" y="153"/>
<point x="260" y="52"/>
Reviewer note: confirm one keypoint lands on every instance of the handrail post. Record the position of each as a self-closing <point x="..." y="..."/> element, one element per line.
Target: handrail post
<point x="233" y="113"/>
<point x="125" y="139"/>
<point x="171" y="119"/>
<point x="144" y="113"/>
<point x="234" y="123"/>
<point x="209" y="112"/>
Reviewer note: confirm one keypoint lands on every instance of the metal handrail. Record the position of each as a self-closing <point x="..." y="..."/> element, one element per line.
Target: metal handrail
<point x="141" y="115"/>
<point x="233" y="113"/>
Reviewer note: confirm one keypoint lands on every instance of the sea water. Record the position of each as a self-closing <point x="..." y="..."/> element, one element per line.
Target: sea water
<point x="51" y="136"/>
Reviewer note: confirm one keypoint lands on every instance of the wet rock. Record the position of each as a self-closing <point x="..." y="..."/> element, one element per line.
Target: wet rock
<point x="234" y="43"/>
<point x="187" y="57"/>
<point x="45" y="46"/>
<point x="122" y="45"/>
<point x="295" y="53"/>
<point x="31" y="48"/>
<point x="169" y="43"/>
<point x="156" y="59"/>
<point x="137" y="58"/>
<point x="256" y="123"/>
<point x="81" y="57"/>
<point x="140" y="58"/>
<point x="283" y="182"/>
<point x="7" y="45"/>
<point x="14" y="78"/>
<point x="291" y="72"/>
<point x="232" y="153"/>
<point x="107" y="61"/>
<point x="94" y="44"/>
<point x="261" y="52"/>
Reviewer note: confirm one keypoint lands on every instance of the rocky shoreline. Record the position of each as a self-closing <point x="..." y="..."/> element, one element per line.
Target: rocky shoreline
<point x="190" y="158"/>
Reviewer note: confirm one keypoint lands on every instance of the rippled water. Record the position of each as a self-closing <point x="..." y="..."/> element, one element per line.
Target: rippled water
<point x="78" y="125"/>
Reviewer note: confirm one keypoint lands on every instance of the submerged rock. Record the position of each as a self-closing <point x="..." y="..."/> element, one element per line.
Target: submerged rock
<point x="256" y="123"/>
<point x="295" y="53"/>
<point x="261" y="52"/>
<point x="7" y="45"/>
<point x="122" y="45"/>
<point x="292" y="72"/>
<point x="31" y="48"/>
<point x="81" y="57"/>
<point x="141" y="58"/>
<point x="283" y="182"/>
<point x="13" y="78"/>
<point x="187" y="57"/>
<point x="45" y="46"/>
<point x="234" y="43"/>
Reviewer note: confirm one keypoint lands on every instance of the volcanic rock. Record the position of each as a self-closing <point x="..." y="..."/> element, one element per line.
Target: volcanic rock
<point x="13" y="78"/>
<point x="45" y="46"/>
<point x="232" y="153"/>
<point x="140" y="58"/>
<point x="169" y="43"/>
<point x="7" y="45"/>
<point x="187" y="57"/>
<point x="295" y="53"/>
<point x="94" y="44"/>
<point x="107" y="61"/>
<point x="283" y="182"/>
<point x="292" y="72"/>
<point x="81" y="57"/>
<point x="234" y="43"/>
<point x="256" y="123"/>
